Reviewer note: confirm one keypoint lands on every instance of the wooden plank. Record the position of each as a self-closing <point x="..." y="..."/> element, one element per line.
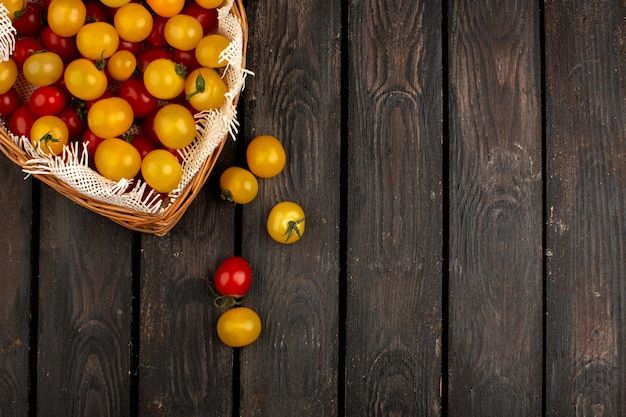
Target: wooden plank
<point x="292" y="369"/>
<point x="85" y="312"/>
<point x="15" y="258"/>
<point x="183" y="367"/>
<point x="394" y="209"/>
<point x="586" y="200"/>
<point x="495" y="338"/>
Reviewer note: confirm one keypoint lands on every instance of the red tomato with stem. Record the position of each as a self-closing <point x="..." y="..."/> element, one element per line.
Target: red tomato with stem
<point x="186" y="58"/>
<point x="24" y="48"/>
<point x="29" y="20"/>
<point x="233" y="277"/>
<point x="96" y="12"/>
<point x="65" y="47"/>
<point x="74" y="121"/>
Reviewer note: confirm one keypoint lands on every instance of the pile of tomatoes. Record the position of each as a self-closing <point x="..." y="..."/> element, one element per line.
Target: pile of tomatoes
<point x="123" y="77"/>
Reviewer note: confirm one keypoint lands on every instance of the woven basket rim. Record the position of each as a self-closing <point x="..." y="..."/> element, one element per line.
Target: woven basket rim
<point x="158" y="224"/>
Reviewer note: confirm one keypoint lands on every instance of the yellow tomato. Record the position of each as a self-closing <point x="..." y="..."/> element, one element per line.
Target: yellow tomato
<point x="110" y="117"/>
<point x="286" y="221"/>
<point x="239" y="326"/>
<point x="265" y="156"/>
<point x="49" y="134"/>
<point x="66" y="17"/>
<point x="116" y="159"/>
<point x="161" y="170"/>
<point x="205" y="89"/>
<point x="122" y="65"/>
<point x="238" y="185"/>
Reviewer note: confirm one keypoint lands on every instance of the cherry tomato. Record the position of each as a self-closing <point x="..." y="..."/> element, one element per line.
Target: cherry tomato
<point x="233" y="277"/>
<point x="175" y="126"/>
<point x="43" y="68"/>
<point x="166" y="8"/>
<point x="116" y="159"/>
<point x="122" y="65"/>
<point x="24" y="48"/>
<point x="186" y="58"/>
<point x="66" y="17"/>
<point x="286" y="221"/>
<point x="84" y="80"/>
<point x="9" y="102"/>
<point x="47" y="100"/>
<point x="209" y="49"/>
<point x="136" y="94"/>
<point x="110" y="117"/>
<point x="96" y="12"/>
<point x="161" y="170"/>
<point x="148" y="55"/>
<point x="74" y="122"/>
<point x="205" y="89"/>
<point x="49" y="134"/>
<point x="206" y="17"/>
<point x="183" y="32"/>
<point x="132" y="47"/>
<point x="65" y="47"/>
<point x="156" y="38"/>
<point x="265" y="156"/>
<point x="164" y="78"/>
<point x="133" y="22"/>
<point x="97" y="40"/>
<point x="91" y="141"/>
<point x="210" y="4"/>
<point x="22" y="120"/>
<point x="238" y="185"/>
<point x="238" y="327"/>
<point x="8" y="75"/>
<point x="29" y="20"/>
<point x="143" y="145"/>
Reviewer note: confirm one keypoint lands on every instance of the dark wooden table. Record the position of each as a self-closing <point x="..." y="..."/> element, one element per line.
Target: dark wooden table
<point x="463" y="168"/>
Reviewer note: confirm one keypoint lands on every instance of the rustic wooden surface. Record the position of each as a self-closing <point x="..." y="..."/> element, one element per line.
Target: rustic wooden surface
<point x="462" y="170"/>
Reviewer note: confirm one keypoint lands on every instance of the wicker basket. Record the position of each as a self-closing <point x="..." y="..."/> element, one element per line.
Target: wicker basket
<point x="157" y="224"/>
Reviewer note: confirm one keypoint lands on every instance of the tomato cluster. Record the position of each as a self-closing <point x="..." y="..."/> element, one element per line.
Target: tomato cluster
<point x="124" y="77"/>
<point x="238" y="326"/>
<point x="266" y="158"/>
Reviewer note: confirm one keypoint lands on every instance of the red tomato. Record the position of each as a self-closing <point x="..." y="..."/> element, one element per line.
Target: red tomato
<point x="29" y="20"/>
<point x="149" y="55"/>
<point x="134" y="47"/>
<point x="92" y="141"/>
<point x="187" y="58"/>
<point x="136" y="94"/>
<point x="74" y="122"/>
<point x="65" y="47"/>
<point x="233" y="277"/>
<point x="47" y="100"/>
<point x="22" y="120"/>
<point x="147" y="128"/>
<point x="142" y="144"/>
<point x="23" y="49"/>
<point x="96" y="12"/>
<point x="9" y="102"/>
<point x="206" y="17"/>
<point x="156" y="39"/>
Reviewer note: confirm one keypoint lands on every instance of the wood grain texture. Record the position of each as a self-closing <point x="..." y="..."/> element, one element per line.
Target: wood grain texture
<point x="495" y="330"/>
<point x="394" y="203"/>
<point x="293" y="368"/>
<point x="15" y="257"/>
<point x="586" y="199"/>
<point x="85" y="312"/>
<point x="184" y="370"/>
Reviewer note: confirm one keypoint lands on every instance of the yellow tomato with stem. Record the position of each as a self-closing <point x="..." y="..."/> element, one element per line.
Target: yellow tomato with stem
<point x="286" y="221"/>
<point x="238" y="185"/>
<point x="49" y="134"/>
<point x="205" y="89"/>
